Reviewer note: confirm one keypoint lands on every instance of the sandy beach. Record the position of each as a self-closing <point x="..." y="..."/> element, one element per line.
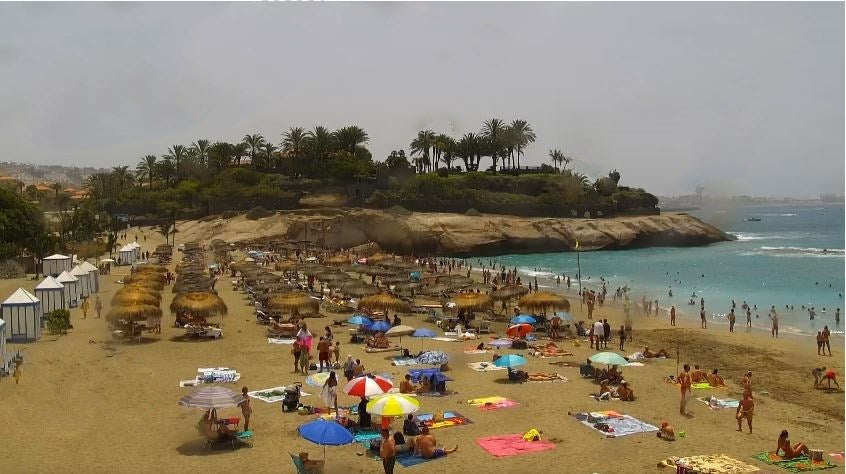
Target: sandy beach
<point x="86" y="402"/>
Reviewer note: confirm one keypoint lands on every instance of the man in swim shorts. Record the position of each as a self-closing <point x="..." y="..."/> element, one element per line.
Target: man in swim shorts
<point x="745" y="410"/>
<point x="426" y="446"/>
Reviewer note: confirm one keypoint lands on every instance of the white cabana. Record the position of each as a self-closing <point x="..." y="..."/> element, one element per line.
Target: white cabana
<point x="84" y="283"/>
<point x="137" y="247"/>
<point x="22" y="312"/>
<point x="71" y="284"/>
<point x="126" y="255"/>
<point x="93" y="276"/>
<point x="52" y="295"/>
<point x="55" y="264"/>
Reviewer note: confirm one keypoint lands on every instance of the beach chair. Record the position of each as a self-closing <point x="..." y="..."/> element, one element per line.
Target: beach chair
<point x="262" y="317"/>
<point x="301" y="467"/>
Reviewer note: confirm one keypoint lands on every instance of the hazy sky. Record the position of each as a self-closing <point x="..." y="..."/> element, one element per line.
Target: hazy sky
<point x="748" y="98"/>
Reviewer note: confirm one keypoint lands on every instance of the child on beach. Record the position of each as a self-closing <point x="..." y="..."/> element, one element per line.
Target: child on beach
<point x="246" y="409"/>
<point x="336" y="351"/>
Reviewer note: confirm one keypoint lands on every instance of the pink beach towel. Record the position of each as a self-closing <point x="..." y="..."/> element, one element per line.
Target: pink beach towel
<point x="512" y="445"/>
<point x="498" y="405"/>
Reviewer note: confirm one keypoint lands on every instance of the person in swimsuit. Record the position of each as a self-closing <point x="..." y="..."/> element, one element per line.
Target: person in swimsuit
<point x="789" y="451"/>
<point x="698" y="375"/>
<point x="684" y="382"/>
<point x="745" y="410"/>
<point x="747" y="384"/>
<point x="388" y="452"/>
<point x="716" y="380"/>
<point x="667" y="432"/>
<point x="826" y="336"/>
<point x="426" y="446"/>
<point x="829" y="376"/>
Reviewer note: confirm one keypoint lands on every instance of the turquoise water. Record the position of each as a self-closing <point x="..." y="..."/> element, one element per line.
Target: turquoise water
<point x="792" y="256"/>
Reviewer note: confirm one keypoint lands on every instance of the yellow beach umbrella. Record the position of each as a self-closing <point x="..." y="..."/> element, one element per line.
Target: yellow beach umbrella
<point x="392" y="404"/>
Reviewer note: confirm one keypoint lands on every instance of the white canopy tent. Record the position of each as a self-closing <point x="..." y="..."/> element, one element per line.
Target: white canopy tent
<point x="126" y="255"/>
<point x="22" y="312"/>
<point x="93" y="276"/>
<point x="55" y="264"/>
<point x="137" y="247"/>
<point x="52" y="295"/>
<point x="71" y="284"/>
<point x="84" y="282"/>
<point x="2" y="340"/>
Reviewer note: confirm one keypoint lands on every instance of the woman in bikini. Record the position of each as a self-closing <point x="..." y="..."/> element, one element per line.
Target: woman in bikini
<point x="790" y="452"/>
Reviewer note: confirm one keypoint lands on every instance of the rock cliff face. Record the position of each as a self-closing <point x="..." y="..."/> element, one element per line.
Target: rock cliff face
<point x="461" y="235"/>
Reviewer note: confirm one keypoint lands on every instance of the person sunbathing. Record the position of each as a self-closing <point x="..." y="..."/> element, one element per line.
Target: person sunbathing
<point x="716" y="380"/>
<point x="406" y="386"/>
<point x="542" y="377"/>
<point x="698" y="375"/>
<point x="426" y="446"/>
<point x="605" y="392"/>
<point x="667" y="432"/>
<point x="425" y="385"/>
<point x="789" y="451"/>
<point x="652" y="355"/>
<point x="280" y="329"/>
<point x="625" y="392"/>
<point x="379" y="341"/>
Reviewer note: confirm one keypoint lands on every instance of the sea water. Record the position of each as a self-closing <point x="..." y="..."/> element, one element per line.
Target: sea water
<point x="793" y="256"/>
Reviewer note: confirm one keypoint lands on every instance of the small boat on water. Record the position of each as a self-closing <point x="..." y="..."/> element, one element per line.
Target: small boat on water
<point x="753" y="219"/>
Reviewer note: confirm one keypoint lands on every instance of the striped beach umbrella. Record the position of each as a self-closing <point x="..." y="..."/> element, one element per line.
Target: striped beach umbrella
<point x="212" y="397"/>
<point x="392" y="404"/>
<point x="367" y="386"/>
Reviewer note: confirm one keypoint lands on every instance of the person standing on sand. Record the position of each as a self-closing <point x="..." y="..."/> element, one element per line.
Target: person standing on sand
<point x="684" y="382"/>
<point x="826" y="336"/>
<point x="246" y="409"/>
<point x="703" y="324"/>
<point x="732" y="319"/>
<point x="774" y="318"/>
<point x="819" y="342"/>
<point x="673" y="315"/>
<point x="606" y="333"/>
<point x="98" y="306"/>
<point x="622" y="335"/>
<point x="85" y="306"/>
<point x="745" y="410"/>
<point x="598" y="333"/>
<point x="388" y="452"/>
<point x="748" y="317"/>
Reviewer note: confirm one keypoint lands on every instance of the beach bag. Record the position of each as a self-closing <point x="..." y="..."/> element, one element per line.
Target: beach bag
<point x="532" y="435"/>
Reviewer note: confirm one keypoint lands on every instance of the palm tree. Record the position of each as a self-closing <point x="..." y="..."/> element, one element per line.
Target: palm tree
<point x="201" y="148"/>
<point x="558" y="158"/>
<point x="56" y="187"/>
<point x="294" y="141"/>
<point x="177" y="153"/>
<point x="420" y="146"/>
<point x="147" y="167"/>
<point x="99" y="185"/>
<point x="524" y="134"/>
<point x="320" y="141"/>
<point x="165" y="169"/>
<point x="493" y="131"/>
<point x="254" y="142"/>
<point x="239" y="151"/>
<point x="446" y="148"/>
<point x="123" y="178"/>
<point x="166" y="230"/>
<point x="267" y="154"/>
<point x="350" y="138"/>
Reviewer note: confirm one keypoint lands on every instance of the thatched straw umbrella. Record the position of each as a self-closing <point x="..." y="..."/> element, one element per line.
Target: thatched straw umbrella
<point x="337" y="261"/>
<point x="332" y="276"/>
<point x="375" y="271"/>
<point x="135" y="298"/>
<point x="544" y="300"/>
<point x="151" y="284"/>
<point x="384" y="301"/>
<point x="508" y="292"/>
<point x="407" y="286"/>
<point x="295" y="302"/>
<point x="128" y="289"/>
<point x="436" y="289"/>
<point x="471" y="301"/>
<point x="378" y="258"/>
<point x="202" y="304"/>
<point x="150" y="268"/>
<point x="285" y="266"/>
<point x="454" y="280"/>
<point x="144" y="277"/>
<point x="360" y="290"/>
<point x="393" y="279"/>
<point x="132" y="313"/>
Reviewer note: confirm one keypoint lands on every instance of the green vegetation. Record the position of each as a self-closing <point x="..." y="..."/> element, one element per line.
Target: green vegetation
<point x="58" y="321"/>
<point x="21" y="227"/>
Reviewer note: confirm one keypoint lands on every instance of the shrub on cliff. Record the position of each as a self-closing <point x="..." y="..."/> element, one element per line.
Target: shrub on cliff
<point x="399" y="211"/>
<point x="472" y="212"/>
<point x="257" y="212"/>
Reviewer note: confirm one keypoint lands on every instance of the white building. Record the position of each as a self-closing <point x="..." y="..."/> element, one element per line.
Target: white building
<point x="22" y="312"/>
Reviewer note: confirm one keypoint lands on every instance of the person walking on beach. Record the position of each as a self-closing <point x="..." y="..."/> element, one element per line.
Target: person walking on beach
<point x="606" y="333"/>
<point x="704" y="323"/>
<point x="98" y="307"/>
<point x="684" y="382"/>
<point x="323" y="354"/>
<point x="748" y="317"/>
<point x="673" y="315"/>
<point x="745" y="410"/>
<point x="826" y="336"/>
<point x="731" y="319"/>
<point x="622" y="335"/>
<point x="774" y="319"/>
<point x="85" y="306"/>
<point x="819" y="342"/>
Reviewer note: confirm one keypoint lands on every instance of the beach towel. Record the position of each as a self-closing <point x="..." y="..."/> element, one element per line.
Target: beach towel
<point x="437" y="394"/>
<point x="477" y="402"/>
<point x="703" y="385"/>
<point x="718" y="403"/>
<point x="465" y="335"/>
<point x="483" y="366"/>
<point x="451" y="418"/>
<point x="445" y="339"/>
<point x="371" y="350"/>
<point x="836" y="456"/>
<point x="272" y="395"/>
<point x="476" y="351"/>
<point x="800" y="464"/>
<point x="364" y="437"/>
<point x="280" y="340"/>
<point x="634" y="364"/>
<point x="512" y="445"/>
<point x="408" y="459"/>
<point x="717" y="463"/>
<point x="613" y="424"/>
<point x="403" y="361"/>
<point x="566" y="363"/>
<point x="498" y="405"/>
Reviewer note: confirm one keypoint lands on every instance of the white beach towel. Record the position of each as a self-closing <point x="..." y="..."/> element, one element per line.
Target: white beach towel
<point x="483" y="366"/>
<point x="276" y="340"/>
<point x="272" y="398"/>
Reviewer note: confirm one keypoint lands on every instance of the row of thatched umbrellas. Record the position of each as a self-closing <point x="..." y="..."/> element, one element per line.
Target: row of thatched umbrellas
<point x="139" y="298"/>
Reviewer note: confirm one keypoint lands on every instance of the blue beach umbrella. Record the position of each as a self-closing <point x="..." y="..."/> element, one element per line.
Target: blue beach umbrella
<point x="609" y="358"/>
<point x="359" y="319"/>
<point x="325" y="433"/>
<point x="510" y="360"/>
<point x="500" y="343"/>
<point x="523" y="319"/>
<point x="379" y="326"/>
<point x="423" y="333"/>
